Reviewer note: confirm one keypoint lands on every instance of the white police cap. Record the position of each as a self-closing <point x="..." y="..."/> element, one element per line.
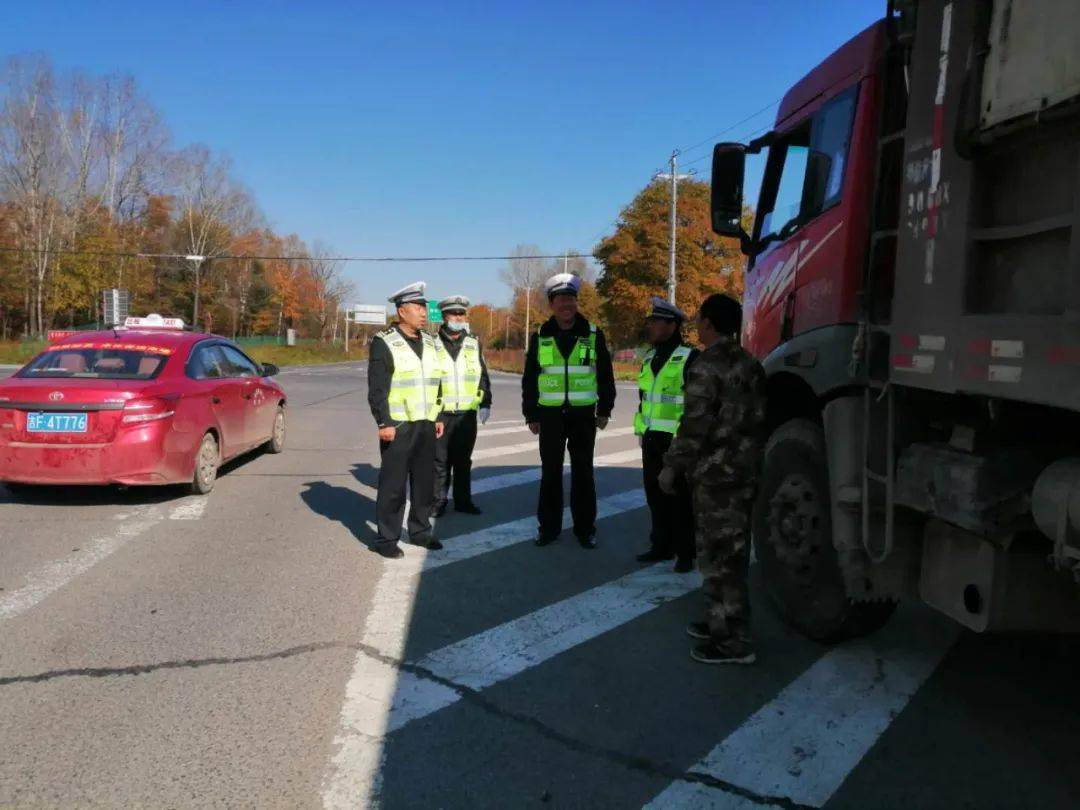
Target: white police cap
<point x="455" y="303"/>
<point x="411" y="294"/>
<point x="562" y="283"/>
<point x="662" y="308"/>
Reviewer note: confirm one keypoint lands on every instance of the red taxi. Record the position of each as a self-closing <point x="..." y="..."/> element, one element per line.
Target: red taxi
<point x="148" y="403"/>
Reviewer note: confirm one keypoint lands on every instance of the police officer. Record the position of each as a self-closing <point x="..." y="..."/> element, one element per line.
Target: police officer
<point x="567" y="393"/>
<point x="660" y="407"/>
<point x="466" y="392"/>
<point x="404" y="376"/>
<point x="718" y="449"/>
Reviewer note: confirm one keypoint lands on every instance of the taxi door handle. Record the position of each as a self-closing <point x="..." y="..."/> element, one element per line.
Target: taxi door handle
<point x="215" y="400"/>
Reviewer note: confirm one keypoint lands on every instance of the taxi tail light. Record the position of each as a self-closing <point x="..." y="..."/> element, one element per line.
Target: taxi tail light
<point x="149" y="409"/>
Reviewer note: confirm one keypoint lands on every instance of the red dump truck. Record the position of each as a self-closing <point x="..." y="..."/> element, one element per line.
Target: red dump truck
<point x="913" y="292"/>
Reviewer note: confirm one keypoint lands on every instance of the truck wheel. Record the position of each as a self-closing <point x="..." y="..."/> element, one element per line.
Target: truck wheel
<point x="207" y="460"/>
<point x="793" y="540"/>
<point x="277" y="436"/>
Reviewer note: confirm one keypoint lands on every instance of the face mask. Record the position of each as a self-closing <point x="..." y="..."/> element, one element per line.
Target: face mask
<point x="457" y="326"/>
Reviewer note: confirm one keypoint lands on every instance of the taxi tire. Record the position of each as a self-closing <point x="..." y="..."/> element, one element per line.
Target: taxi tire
<point x="206" y="469"/>
<point x="276" y="443"/>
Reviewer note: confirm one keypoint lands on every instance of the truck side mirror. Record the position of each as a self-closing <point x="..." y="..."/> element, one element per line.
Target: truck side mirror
<point x="728" y="170"/>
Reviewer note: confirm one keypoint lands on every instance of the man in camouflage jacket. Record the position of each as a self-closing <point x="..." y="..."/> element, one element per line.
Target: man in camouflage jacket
<point x="718" y="448"/>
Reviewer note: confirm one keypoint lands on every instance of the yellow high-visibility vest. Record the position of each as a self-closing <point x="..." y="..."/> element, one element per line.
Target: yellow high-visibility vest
<point x="662" y="398"/>
<point x="461" y="376"/>
<point x="414" y="388"/>
<point x="567" y="379"/>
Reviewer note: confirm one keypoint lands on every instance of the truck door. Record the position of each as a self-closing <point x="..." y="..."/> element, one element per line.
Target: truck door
<point x="770" y="282"/>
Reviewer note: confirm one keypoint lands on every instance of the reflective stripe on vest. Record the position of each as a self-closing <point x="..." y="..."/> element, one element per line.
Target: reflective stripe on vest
<point x="567" y="379"/>
<point x="662" y="398"/>
<point x="414" y="388"/>
<point x="461" y="376"/>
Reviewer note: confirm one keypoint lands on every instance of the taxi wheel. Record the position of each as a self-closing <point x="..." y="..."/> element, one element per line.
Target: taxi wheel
<point x="207" y="460"/>
<point x="277" y="437"/>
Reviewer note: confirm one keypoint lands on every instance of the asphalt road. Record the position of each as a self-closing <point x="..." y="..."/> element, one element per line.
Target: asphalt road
<point x="249" y="650"/>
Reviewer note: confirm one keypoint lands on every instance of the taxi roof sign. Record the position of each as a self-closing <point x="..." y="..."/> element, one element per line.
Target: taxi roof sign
<point x="153" y="321"/>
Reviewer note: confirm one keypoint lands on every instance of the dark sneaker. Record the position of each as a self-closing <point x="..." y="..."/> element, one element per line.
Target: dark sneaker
<point x="654" y="555"/>
<point x="433" y="544"/>
<point x="726" y="652"/>
<point x="468" y="508"/>
<point x="545" y="539"/>
<point x="684" y="566"/>
<point x="439" y="510"/>
<point x="698" y="630"/>
<point x="588" y="541"/>
<point x="392" y="551"/>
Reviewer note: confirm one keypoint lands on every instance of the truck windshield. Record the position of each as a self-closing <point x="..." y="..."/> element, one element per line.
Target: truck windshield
<point x="97" y="363"/>
<point x="789" y="191"/>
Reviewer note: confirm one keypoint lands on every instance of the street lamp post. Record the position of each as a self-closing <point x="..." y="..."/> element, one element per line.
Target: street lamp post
<point x="675" y="177"/>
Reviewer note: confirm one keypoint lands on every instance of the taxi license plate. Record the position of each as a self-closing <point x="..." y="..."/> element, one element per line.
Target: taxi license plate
<point x="56" y="423"/>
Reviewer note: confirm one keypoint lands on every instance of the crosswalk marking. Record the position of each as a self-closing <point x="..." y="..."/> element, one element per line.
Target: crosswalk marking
<point x="354" y="773"/>
<point x="486" y="432"/>
<point x="502" y="652"/>
<point x="802" y="745"/>
<point x="524" y="447"/>
<point x="494" y="482"/>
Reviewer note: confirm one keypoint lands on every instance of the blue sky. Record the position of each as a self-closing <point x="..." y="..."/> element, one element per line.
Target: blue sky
<point x="430" y="128"/>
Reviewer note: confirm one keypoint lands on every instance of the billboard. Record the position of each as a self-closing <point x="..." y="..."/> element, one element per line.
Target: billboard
<point x="367" y="313"/>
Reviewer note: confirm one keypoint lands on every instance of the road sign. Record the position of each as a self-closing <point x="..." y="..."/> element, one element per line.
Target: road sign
<point x="434" y="314"/>
<point x="115" y="306"/>
<point x="369" y="313"/>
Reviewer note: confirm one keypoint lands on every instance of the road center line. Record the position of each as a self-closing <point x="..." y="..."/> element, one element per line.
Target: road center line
<point x="55" y="575"/>
<point x="804" y="743"/>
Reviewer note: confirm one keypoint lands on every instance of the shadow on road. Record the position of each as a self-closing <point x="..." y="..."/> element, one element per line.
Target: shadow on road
<point x="348" y="507"/>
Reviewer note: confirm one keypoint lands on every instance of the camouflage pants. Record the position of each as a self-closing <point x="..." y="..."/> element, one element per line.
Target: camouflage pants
<point x="722" y="518"/>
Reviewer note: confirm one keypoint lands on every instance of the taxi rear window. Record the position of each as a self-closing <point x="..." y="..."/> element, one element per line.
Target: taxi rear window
<point x="99" y="361"/>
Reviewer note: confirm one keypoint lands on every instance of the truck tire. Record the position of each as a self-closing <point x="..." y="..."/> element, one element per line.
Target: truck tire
<point x="793" y="541"/>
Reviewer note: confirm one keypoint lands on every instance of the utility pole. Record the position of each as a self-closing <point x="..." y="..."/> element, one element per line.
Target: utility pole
<point x="346" y="331"/>
<point x="196" y="263"/>
<point x="675" y="177"/>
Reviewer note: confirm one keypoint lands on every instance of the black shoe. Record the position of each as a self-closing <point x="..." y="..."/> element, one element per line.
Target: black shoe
<point x="698" y="630"/>
<point x="468" y="508"/>
<point x="588" y="541"/>
<point x="654" y="555"/>
<point x="433" y="544"/>
<point x="684" y="566"/>
<point x="545" y="539"/>
<point x="439" y="510"/>
<point x="732" y="651"/>
<point x="392" y="551"/>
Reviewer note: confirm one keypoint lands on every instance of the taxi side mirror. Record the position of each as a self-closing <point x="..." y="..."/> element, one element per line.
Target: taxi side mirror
<point x="269" y="369"/>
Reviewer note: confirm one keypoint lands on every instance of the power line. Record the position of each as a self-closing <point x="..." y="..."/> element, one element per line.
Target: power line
<point x="142" y="255"/>
<point x="736" y="125"/>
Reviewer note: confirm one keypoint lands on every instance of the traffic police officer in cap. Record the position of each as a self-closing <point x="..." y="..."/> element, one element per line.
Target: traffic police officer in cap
<point x="404" y="381"/>
<point x="661" y="387"/>
<point x="567" y="392"/>
<point x="466" y="393"/>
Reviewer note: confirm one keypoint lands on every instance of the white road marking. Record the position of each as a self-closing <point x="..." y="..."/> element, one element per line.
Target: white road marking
<point x="353" y="777"/>
<point x="500" y="431"/>
<point x="495" y="482"/>
<point x="191" y="508"/>
<point x="524" y="447"/>
<point x="803" y="744"/>
<point x="517" y="421"/>
<point x="502" y="652"/>
<point x="52" y="577"/>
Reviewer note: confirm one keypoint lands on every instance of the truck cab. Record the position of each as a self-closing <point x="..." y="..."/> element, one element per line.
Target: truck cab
<point x="912" y="293"/>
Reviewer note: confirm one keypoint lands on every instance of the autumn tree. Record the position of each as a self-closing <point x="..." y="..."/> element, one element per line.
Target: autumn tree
<point x="634" y="259"/>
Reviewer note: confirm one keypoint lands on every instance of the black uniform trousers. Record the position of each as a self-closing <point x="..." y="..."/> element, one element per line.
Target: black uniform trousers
<point x="408" y="459"/>
<point x="672" y="515"/>
<point x="562" y="429"/>
<point x="453" y="457"/>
